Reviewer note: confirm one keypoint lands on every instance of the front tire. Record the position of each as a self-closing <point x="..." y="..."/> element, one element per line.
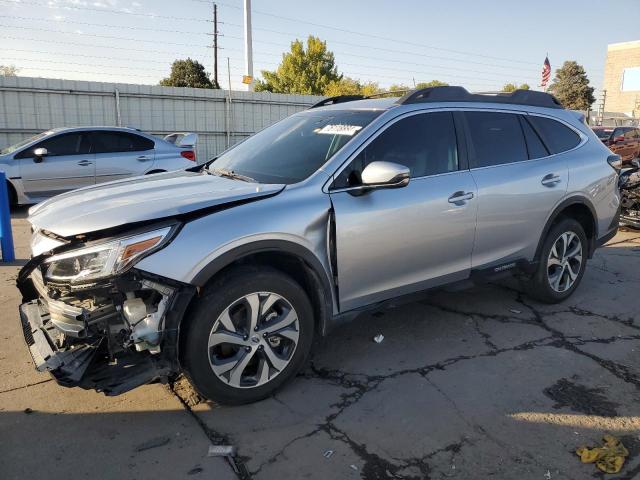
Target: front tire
<point x="562" y="263"/>
<point x="251" y="331"/>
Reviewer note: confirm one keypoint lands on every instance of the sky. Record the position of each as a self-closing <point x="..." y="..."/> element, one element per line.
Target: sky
<point x="479" y="44"/>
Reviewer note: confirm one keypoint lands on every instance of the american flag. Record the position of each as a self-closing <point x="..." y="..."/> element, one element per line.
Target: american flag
<point x="546" y="72"/>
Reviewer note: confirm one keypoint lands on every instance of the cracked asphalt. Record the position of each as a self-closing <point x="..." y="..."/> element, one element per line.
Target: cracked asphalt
<point x="470" y="384"/>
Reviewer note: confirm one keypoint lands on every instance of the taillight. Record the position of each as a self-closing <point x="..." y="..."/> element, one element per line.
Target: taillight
<point x="615" y="161"/>
<point x="189" y="155"/>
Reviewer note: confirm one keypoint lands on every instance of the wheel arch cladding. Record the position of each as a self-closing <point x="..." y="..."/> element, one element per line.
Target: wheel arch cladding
<point x="287" y="257"/>
<point x="580" y="209"/>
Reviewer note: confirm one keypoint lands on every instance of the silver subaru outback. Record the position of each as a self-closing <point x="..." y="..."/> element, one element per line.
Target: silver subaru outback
<point x="227" y="271"/>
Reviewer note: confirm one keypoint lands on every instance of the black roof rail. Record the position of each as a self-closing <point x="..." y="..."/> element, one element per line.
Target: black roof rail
<point x="460" y="94"/>
<point x="337" y="99"/>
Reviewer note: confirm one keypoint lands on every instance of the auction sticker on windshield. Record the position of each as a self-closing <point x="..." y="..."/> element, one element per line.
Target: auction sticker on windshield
<point x="349" y="130"/>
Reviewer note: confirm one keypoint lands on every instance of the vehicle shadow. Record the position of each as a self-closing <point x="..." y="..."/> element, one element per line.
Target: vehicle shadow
<point x="460" y="379"/>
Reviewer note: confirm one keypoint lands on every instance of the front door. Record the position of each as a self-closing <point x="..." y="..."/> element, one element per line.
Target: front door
<point x="395" y="241"/>
<point x="67" y="165"/>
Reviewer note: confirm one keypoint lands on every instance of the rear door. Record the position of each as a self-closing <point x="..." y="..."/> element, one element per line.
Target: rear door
<point x="121" y="154"/>
<point x="395" y="241"/>
<point x="68" y="165"/>
<point x="519" y="179"/>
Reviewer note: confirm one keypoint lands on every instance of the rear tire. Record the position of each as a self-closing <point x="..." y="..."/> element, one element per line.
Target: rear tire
<point x="250" y="332"/>
<point x="562" y="263"/>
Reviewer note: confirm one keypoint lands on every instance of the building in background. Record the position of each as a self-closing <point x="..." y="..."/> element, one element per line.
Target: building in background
<point x="622" y="78"/>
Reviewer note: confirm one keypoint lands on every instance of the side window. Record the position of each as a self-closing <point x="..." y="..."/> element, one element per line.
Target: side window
<point x="425" y="143"/>
<point x="496" y="138"/>
<point x="535" y="147"/>
<point x="558" y="137"/>
<point x="74" y="143"/>
<point x="114" y="142"/>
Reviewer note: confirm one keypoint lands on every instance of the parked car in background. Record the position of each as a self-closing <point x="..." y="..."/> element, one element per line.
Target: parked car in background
<point x="623" y="141"/>
<point x="64" y="159"/>
<point x="228" y="271"/>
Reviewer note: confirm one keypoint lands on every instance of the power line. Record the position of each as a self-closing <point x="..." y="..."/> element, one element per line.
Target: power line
<point x="127" y="27"/>
<point x="102" y="10"/>
<point x="108" y="36"/>
<point x="380" y="37"/>
<point x="95" y="46"/>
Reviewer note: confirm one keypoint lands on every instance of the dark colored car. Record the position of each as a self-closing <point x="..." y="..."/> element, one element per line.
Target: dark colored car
<point x="624" y="141"/>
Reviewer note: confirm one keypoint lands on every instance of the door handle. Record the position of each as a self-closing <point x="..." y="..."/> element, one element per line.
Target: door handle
<point x="143" y="158"/>
<point x="550" y="180"/>
<point x="84" y="163"/>
<point x="460" y="198"/>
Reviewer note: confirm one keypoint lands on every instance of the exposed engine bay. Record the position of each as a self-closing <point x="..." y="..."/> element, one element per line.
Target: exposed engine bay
<point x="111" y="335"/>
<point x="630" y="198"/>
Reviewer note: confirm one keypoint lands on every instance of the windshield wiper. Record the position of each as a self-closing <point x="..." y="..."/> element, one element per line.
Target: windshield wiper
<point x="221" y="172"/>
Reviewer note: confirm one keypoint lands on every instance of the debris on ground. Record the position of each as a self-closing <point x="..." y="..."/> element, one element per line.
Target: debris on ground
<point x="222" y="451"/>
<point x="328" y="454"/>
<point x="513" y="310"/>
<point x="353" y="467"/>
<point x="378" y="338"/>
<point x="548" y="475"/>
<point x="609" y="457"/>
<point x="153" y="443"/>
<point x="185" y="391"/>
<point x="28" y="411"/>
<point x="226" y="451"/>
<point x="195" y="470"/>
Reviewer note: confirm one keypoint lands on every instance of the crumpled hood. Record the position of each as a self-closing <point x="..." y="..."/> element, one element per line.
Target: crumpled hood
<point x="140" y="199"/>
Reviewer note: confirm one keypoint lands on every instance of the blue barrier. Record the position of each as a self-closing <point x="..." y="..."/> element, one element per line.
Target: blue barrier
<point x="6" y="235"/>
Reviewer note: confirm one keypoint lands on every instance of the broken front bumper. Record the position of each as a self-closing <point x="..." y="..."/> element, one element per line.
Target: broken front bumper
<point x="86" y="346"/>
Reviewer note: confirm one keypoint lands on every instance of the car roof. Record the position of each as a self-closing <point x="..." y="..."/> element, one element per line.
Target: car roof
<point x="82" y="129"/>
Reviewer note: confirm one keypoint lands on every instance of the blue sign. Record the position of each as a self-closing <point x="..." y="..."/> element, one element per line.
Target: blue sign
<point x="6" y="236"/>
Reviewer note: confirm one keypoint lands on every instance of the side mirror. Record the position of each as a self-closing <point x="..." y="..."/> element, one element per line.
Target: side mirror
<point x="39" y="154"/>
<point x="385" y="175"/>
<point x="619" y="138"/>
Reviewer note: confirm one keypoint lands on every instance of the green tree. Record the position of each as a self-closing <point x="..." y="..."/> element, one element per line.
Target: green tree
<point x="571" y="87"/>
<point x="432" y="83"/>
<point x="8" y="70"/>
<point x="512" y="87"/>
<point x="350" y="86"/>
<point x="399" y="89"/>
<point x="302" y="71"/>
<point x="188" y="73"/>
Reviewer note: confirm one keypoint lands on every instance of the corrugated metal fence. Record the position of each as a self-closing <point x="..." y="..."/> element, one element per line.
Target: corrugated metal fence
<point x="32" y="105"/>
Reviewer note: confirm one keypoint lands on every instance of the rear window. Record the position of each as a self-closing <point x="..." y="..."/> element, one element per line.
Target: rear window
<point x="558" y="137"/>
<point x="112" y="142"/>
<point x="496" y="138"/>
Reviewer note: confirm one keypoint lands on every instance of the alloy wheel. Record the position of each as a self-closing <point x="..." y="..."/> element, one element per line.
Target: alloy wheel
<point x="253" y="339"/>
<point x="564" y="262"/>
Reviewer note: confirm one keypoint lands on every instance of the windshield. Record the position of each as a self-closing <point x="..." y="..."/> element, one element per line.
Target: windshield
<point x="603" y="133"/>
<point x="22" y="143"/>
<point x="294" y="148"/>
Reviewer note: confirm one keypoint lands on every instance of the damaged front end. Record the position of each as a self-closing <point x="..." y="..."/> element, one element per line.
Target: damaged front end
<point x="93" y="321"/>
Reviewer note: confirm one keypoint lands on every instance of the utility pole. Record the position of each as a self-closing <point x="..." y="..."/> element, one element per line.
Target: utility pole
<point x="215" y="45"/>
<point x="248" y="47"/>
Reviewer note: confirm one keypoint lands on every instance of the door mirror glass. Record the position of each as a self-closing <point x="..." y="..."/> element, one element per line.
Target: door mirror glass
<point x="39" y="154"/>
<point x="385" y="175"/>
